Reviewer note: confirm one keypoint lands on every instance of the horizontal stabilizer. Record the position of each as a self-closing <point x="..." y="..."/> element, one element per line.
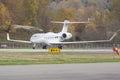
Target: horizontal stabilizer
<point x="68" y="22"/>
<point x="65" y="24"/>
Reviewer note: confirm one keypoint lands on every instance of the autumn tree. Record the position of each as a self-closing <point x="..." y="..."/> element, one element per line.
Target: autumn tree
<point x="114" y="16"/>
<point x="31" y="7"/>
<point x="61" y="15"/>
<point x="43" y="15"/>
<point x="114" y="19"/>
<point x="116" y="9"/>
<point x="5" y="19"/>
<point x="16" y="10"/>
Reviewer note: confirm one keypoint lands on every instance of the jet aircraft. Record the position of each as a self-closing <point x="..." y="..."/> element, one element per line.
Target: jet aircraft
<point x="51" y="38"/>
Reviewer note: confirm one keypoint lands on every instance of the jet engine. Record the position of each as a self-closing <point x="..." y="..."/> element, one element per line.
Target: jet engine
<point x="66" y="35"/>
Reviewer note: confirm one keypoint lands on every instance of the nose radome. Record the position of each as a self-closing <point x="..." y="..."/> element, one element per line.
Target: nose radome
<point x="32" y="39"/>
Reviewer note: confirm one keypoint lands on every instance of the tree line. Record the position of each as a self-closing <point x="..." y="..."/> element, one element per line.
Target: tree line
<point x="104" y="15"/>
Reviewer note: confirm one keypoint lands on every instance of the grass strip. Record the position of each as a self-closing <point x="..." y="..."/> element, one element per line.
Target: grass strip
<point x="13" y="58"/>
<point x="56" y="61"/>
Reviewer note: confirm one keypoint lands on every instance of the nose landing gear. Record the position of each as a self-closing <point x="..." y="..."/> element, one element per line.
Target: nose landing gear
<point x="34" y="45"/>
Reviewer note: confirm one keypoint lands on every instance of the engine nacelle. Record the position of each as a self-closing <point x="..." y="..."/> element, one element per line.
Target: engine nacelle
<point x="66" y="35"/>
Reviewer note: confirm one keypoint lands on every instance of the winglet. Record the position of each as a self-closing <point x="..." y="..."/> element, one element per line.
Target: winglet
<point x="22" y="41"/>
<point x="113" y="36"/>
<point x="8" y="37"/>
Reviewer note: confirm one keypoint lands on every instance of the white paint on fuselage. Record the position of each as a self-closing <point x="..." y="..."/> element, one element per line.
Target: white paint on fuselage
<point x="45" y="37"/>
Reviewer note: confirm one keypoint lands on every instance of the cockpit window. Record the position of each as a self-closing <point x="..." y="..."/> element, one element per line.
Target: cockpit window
<point x="34" y="36"/>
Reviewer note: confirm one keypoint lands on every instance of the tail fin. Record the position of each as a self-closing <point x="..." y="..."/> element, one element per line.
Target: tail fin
<point x="8" y="38"/>
<point x="65" y="24"/>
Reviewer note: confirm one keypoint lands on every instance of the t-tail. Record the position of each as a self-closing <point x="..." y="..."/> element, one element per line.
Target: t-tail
<point x="66" y="23"/>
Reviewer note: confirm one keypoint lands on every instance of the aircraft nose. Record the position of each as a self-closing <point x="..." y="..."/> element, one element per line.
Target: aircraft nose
<point x="32" y="40"/>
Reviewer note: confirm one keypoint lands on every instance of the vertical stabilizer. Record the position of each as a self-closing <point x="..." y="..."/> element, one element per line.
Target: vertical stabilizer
<point x="65" y="26"/>
<point x="8" y="38"/>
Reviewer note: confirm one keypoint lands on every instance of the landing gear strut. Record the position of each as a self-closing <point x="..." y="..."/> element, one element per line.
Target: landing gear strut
<point x="34" y="46"/>
<point x="44" y="47"/>
<point x="60" y="46"/>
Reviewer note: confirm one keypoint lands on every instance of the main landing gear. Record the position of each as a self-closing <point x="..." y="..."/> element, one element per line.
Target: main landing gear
<point x="44" y="47"/>
<point x="60" y="46"/>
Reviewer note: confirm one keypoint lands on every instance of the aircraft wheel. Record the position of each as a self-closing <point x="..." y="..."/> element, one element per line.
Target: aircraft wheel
<point x="60" y="47"/>
<point x="33" y="47"/>
<point x="45" y="47"/>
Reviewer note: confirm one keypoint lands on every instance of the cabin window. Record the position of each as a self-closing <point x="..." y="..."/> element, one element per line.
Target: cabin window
<point x="56" y="37"/>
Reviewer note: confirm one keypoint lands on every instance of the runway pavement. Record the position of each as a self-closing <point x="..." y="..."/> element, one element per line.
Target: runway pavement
<point x="90" y="71"/>
<point x="63" y="50"/>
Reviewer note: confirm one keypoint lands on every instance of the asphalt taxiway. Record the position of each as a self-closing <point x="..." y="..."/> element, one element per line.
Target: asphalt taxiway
<point x="63" y="50"/>
<point x="90" y="71"/>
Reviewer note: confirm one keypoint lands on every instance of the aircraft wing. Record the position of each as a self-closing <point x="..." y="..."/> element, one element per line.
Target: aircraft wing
<point x="95" y="41"/>
<point x="22" y="41"/>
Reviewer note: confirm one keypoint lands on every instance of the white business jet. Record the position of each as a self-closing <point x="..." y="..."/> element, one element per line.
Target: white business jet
<point x="50" y="38"/>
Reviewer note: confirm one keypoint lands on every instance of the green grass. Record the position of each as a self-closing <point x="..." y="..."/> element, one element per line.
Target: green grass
<point x="13" y="58"/>
<point x="55" y="61"/>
